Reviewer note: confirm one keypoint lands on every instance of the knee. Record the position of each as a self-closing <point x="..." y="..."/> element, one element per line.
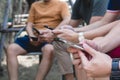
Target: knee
<point x="11" y="50"/>
<point x="48" y="50"/>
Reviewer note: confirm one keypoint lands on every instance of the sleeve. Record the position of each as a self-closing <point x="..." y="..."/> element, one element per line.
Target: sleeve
<point x="76" y="10"/>
<point x="65" y="10"/>
<point x="31" y="14"/>
<point x="114" y="5"/>
<point x="99" y="7"/>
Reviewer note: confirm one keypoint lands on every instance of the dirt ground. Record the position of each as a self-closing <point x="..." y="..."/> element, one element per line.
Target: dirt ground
<point x="28" y="68"/>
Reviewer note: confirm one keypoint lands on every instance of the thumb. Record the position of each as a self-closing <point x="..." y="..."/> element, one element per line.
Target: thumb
<point x="89" y="50"/>
<point x="83" y="58"/>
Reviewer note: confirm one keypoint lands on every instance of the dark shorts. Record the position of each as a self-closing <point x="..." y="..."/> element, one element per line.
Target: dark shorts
<point x="24" y="42"/>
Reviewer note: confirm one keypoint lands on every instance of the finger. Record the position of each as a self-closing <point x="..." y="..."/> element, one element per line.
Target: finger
<point x="89" y="50"/>
<point x="76" y="61"/>
<point x="57" y="31"/>
<point x="84" y="59"/>
<point x="76" y="56"/>
<point x="89" y="42"/>
<point x="80" y="66"/>
<point x="72" y="50"/>
<point x="92" y="44"/>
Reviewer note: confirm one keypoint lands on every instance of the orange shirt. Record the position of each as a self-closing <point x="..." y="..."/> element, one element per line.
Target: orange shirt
<point x="51" y="13"/>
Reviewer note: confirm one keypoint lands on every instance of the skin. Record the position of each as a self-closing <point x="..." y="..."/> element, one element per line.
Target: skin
<point x="94" y="28"/>
<point x="15" y="50"/>
<point x="108" y="18"/>
<point x="95" y="31"/>
<point x="95" y="64"/>
<point x="101" y="36"/>
<point x="100" y="32"/>
<point x="75" y="23"/>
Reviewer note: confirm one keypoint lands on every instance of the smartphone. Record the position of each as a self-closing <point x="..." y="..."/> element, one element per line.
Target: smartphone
<point x="48" y="27"/>
<point x="36" y="31"/>
<point x="69" y="43"/>
<point x="34" y="38"/>
<point x="77" y="46"/>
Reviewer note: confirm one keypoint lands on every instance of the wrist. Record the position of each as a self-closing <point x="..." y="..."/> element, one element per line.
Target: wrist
<point x="75" y="38"/>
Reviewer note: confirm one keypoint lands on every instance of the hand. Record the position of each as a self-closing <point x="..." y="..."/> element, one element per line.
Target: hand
<point x="75" y="56"/>
<point x="47" y="35"/>
<point x="99" y="65"/>
<point x="67" y="34"/>
<point x="75" y="51"/>
<point x="34" y="41"/>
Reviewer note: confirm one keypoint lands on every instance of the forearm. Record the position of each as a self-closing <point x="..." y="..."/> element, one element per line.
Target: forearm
<point x="108" y="17"/>
<point x="29" y="29"/>
<point x="110" y="41"/>
<point x="101" y="31"/>
<point x="95" y="18"/>
<point x="98" y="32"/>
<point x="64" y="22"/>
<point x="91" y="26"/>
<point x="75" y="23"/>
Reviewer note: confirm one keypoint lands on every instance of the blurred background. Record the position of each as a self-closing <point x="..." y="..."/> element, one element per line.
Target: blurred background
<point x="13" y="16"/>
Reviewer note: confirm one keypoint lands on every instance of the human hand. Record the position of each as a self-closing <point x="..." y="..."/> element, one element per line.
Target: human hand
<point x="75" y="56"/>
<point x="95" y="63"/>
<point x="35" y="41"/>
<point x="47" y="35"/>
<point x="67" y="34"/>
<point x="75" y="52"/>
<point x="99" y="65"/>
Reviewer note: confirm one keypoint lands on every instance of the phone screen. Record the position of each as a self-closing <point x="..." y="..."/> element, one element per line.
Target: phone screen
<point x="34" y="38"/>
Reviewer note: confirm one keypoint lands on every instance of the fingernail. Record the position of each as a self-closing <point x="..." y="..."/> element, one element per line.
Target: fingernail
<point x="85" y="45"/>
<point x="82" y="42"/>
